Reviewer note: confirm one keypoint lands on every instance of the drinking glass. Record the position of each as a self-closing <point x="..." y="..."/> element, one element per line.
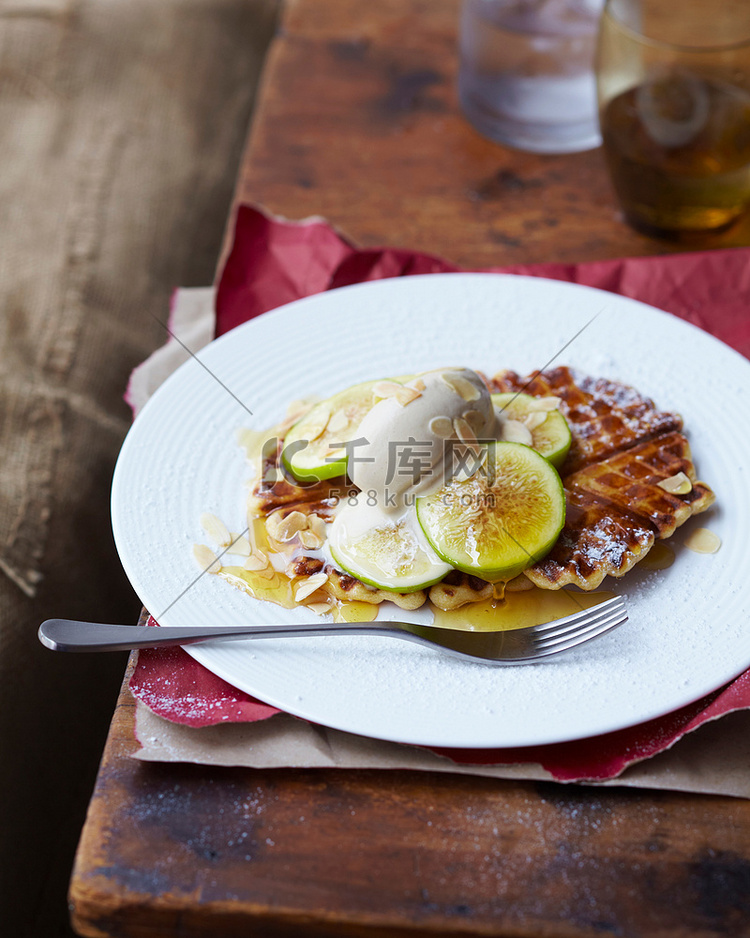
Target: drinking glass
<point x="674" y="109"/>
<point x="526" y="72"/>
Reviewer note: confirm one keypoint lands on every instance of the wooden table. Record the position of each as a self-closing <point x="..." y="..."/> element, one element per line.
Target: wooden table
<point x="358" y="122"/>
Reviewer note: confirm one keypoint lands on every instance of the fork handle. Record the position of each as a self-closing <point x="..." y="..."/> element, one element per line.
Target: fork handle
<point x="72" y="635"/>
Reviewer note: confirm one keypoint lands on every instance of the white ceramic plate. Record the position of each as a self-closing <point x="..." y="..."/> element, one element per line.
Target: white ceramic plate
<point x="688" y="631"/>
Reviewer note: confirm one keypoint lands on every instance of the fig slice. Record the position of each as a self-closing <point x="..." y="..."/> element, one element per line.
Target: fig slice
<point x="549" y="436"/>
<point x="502" y="519"/>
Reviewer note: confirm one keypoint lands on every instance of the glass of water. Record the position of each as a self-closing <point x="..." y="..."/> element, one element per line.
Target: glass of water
<point x="526" y="72"/>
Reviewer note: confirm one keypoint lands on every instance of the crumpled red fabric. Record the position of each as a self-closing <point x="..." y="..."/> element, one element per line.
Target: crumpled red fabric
<point x="275" y="261"/>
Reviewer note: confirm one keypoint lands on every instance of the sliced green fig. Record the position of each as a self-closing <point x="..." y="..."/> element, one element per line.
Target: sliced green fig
<point x="312" y="448"/>
<point x="386" y="551"/>
<point x="548" y="429"/>
<point x="501" y="520"/>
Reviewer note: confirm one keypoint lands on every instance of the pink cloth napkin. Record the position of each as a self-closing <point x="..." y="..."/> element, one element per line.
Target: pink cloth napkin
<point x="273" y="262"/>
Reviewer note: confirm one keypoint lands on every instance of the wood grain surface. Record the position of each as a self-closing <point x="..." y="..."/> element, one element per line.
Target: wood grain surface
<point x="358" y="122"/>
<point x="198" y="851"/>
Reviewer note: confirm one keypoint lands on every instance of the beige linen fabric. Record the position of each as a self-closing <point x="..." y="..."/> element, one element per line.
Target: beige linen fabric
<point x="121" y="128"/>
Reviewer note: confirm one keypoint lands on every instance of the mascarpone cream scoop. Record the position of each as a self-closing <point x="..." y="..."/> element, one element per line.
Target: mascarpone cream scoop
<point x="404" y="446"/>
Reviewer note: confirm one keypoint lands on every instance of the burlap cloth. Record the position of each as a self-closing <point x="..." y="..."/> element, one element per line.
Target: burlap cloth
<point x="117" y="176"/>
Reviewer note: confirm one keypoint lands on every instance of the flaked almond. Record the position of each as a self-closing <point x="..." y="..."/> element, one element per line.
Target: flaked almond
<point x="513" y="431"/>
<point x="464" y="431"/>
<point x="264" y="573"/>
<point x="316" y="430"/>
<point x="703" y="541"/>
<point x="309" y="586"/>
<point x="678" y="484"/>
<point x="310" y="540"/>
<point x="339" y="421"/>
<point x="475" y="419"/>
<point x="387" y="389"/>
<point x="272" y="524"/>
<point x="419" y="384"/>
<point x="535" y="419"/>
<point x="317" y="525"/>
<point x="215" y="528"/>
<point x="240" y="545"/>
<point x="284" y="528"/>
<point x="545" y="403"/>
<point x="463" y="387"/>
<point x="290" y="526"/>
<point x="206" y="558"/>
<point x="257" y="561"/>
<point x="442" y="427"/>
<point x="407" y="395"/>
<point x="320" y="609"/>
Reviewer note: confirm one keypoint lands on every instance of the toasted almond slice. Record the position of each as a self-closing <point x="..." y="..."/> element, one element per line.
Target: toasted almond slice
<point x="320" y="609"/>
<point x="318" y="429"/>
<point x="535" y="419"/>
<point x="339" y="421"/>
<point x="310" y="540"/>
<point x="290" y="526"/>
<point x="266" y="573"/>
<point x="419" y="384"/>
<point x="403" y="394"/>
<point x="678" y="484"/>
<point x="464" y="431"/>
<point x="475" y="419"/>
<point x="215" y="528"/>
<point x="317" y="525"/>
<point x="272" y="525"/>
<point x="206" y="558"/>
<point x="463" y="387"/>
<point x="703" y="541"/>
<point x="442" y="427"/>
<point x="257" y="561"/>
<point x="513" y="431"/>
<point x="308" y="586"/>
<point x="407" y="395"/>
<point x="386" y="389"/>
<point x="240" y="545"/>
<point x="545" y="403"/>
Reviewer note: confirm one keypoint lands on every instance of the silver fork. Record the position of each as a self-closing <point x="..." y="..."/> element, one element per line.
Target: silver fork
<point x="513" y="646"/>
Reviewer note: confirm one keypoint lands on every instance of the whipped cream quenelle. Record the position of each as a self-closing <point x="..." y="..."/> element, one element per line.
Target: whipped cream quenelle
<point x="405" y="445"/>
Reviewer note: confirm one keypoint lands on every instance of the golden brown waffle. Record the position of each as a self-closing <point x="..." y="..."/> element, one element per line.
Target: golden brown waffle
<point x="604" y="417"/>
<point x="623" y="447"/>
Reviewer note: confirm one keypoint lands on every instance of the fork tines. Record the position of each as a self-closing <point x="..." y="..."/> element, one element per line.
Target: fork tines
<point x="579" y="627"/>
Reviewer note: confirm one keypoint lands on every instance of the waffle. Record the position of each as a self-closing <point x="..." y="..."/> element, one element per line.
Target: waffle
<point x="604" y="417"/>
<point x="622" y="448"/>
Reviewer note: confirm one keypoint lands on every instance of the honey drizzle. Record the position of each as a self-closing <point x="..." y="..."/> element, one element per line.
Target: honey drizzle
<point x="516" y="610"/>
<point x="660" y="557"/>
<point x="519" y="610"/>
